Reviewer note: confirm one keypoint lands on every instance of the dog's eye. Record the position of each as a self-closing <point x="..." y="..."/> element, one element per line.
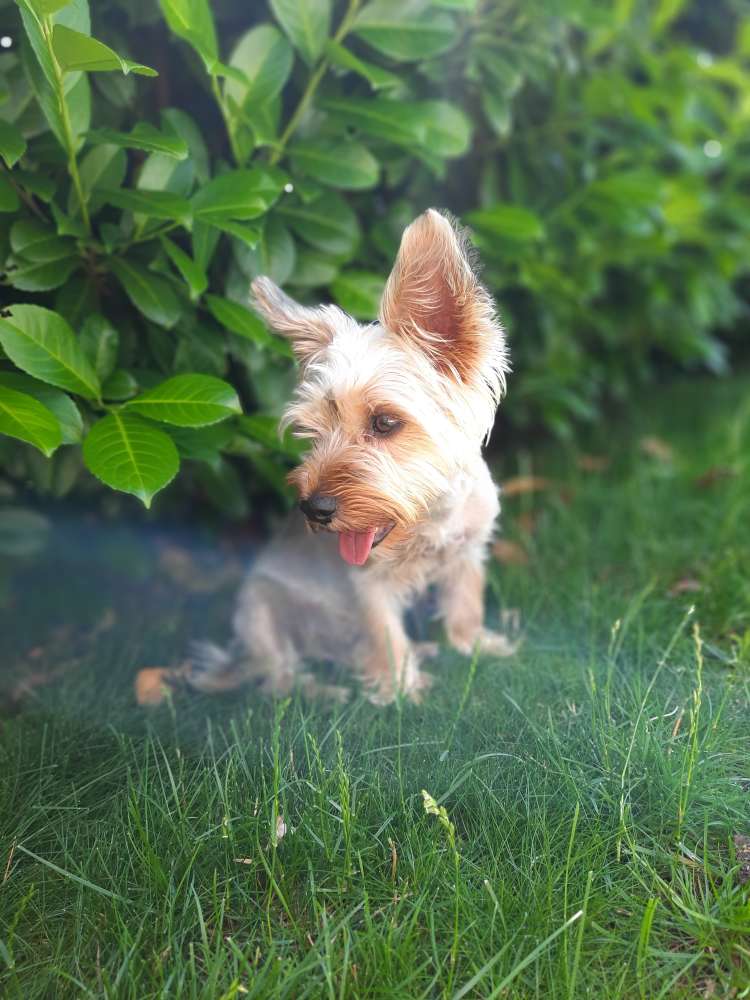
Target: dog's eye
<point x="383" y="424"/>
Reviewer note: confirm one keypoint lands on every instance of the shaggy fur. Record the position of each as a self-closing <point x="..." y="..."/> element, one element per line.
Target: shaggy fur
<point x="433" y="368"/>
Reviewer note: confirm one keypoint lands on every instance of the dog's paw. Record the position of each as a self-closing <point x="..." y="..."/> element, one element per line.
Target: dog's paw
<point x="425" y="651"/>
<point x="386" y="690"/>
<point x="498" y="643"/>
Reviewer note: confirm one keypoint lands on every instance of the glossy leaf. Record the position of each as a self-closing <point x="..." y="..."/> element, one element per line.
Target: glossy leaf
<point x="76" y="51"/>
<point x="336" y="162"/>
<point x="191" y="271"/>
<point x="244" y="323"/>
<point x="328" y="223"/>
<point x="150" y="294"/>
<point x="154" y="204"/>
<point x="376" y="76"/>
<point x="131" y="455"/>
<point x="143" y="136"/>
<point x="265" y="58"/>
<point x="306" y="22"/>
<point x="57" y="402"/>
<point x="393" y="28"/>
<point x="12" y="143"/>
<point x="193" y="21"/>
<point x="100" y="342"/>
<point x="237" y="195"/>
<point x="188" y="401"/>
<point x="40" y="276"/>
<point x="511" y="222"/>
<point x="26" y="419"/>
<point x="40" y="343"/>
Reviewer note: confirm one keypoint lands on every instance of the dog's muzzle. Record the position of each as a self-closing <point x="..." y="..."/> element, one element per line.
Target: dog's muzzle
<point x="318" y="508"/>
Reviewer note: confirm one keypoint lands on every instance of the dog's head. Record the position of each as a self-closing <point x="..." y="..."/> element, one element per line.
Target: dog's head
<point x="397" y="409"/>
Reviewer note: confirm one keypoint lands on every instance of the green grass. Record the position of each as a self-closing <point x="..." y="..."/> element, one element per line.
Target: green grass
<point x="591" y="785"/>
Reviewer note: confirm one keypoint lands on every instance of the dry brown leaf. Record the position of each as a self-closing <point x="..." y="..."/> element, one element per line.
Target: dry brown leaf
<point x="593" y="463"/>
<point x="524" y="484"/>
<point x="153" y="684"/>
<point x="657" y="448"/>
<point x="510" y="553"/>
<point x="687" y="585"/>
<point x="742" y="850"/>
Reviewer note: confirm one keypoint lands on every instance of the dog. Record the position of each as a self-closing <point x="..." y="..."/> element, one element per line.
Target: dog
<point x="394" y="492"/>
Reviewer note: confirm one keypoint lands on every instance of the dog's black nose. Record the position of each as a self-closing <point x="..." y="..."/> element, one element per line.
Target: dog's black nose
<point x="318" y="508"/>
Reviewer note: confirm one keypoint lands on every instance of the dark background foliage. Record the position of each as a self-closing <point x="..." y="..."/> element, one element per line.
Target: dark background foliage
<point x="599" y="153"/>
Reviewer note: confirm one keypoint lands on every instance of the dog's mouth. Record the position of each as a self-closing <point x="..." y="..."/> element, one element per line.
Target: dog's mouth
<point x="355" y="546"/>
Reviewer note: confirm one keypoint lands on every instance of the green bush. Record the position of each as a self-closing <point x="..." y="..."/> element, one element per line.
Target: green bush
<point x="599" y="155"/>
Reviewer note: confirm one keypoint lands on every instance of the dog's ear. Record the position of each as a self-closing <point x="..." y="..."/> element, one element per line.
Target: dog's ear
<point x="434" y="299"/>
<point x="308" y="329"/>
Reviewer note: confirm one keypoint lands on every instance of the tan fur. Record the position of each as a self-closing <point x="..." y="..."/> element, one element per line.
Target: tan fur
<point x="436" y="362"/>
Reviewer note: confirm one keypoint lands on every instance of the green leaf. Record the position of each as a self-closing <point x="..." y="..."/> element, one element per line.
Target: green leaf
<point x="143" y="136"/>
<point x="37" y="242"/>
<point x="244" y="323"/>
<point x="265" y="58"/>
<point x="328" y="223"/>
<point x="202" y="443"/>
<point x="130" y="455"/>
<point x="249" y="235"/>
<point x="182" y="124"/>
<point x="41" y="343"/>
<point x="188" y="401"/>
<point x="510" y="222"/>
<point x="359" y="293"/>
<point x="76" y="51"/>
<point x="238" y="195"/>
<point x="12" y="143"/>
<point x="447" y="128"/>
<point x="154" y="204"/>
<point x="306" y="22"/>
<point x="120" y="385"/>
<point x="50" y="6"/>
<point x="336" y="162"/>
<point x="394" y="121"/>
<point x="191" y="271"/>
<point x="193" y="21"/>
<point x="26" y="419"/>
<point x="376" y="76"/>
<point x="264" y="429"/>
<point x="9" y="200"/>
<point x="149" y="293"/>
<point x="103" y="166"/>
<point x="100" y="342"/>
<point x="62" y="406"/>
<point x="40" y="276"/>
<point x="397" y="31"/>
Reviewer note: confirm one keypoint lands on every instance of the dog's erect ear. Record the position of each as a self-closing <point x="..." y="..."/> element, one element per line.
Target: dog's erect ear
<point x="434" y="299"/>
<point x="309" y="330"/>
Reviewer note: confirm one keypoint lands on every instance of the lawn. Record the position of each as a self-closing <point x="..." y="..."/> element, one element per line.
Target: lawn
<point x="595" y="787"/>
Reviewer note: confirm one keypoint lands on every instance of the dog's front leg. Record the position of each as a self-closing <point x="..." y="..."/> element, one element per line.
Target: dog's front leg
<point x="387" y="660"/>
<point x="462" y="610"/>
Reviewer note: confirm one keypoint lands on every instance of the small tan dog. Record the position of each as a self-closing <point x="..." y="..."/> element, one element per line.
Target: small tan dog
<point x="394" y="489"/>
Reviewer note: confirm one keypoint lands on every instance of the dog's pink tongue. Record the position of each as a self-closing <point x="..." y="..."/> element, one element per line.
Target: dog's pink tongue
<point x="354" y="546"/>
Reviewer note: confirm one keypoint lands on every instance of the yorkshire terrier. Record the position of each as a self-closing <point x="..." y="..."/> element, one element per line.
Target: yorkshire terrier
<point x="394" y="490"/>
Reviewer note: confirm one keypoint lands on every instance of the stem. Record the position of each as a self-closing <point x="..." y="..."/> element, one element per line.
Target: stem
<point x="216" y="90"/>
<point x="66" y="124"/>
<point x="312" y="85"/>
